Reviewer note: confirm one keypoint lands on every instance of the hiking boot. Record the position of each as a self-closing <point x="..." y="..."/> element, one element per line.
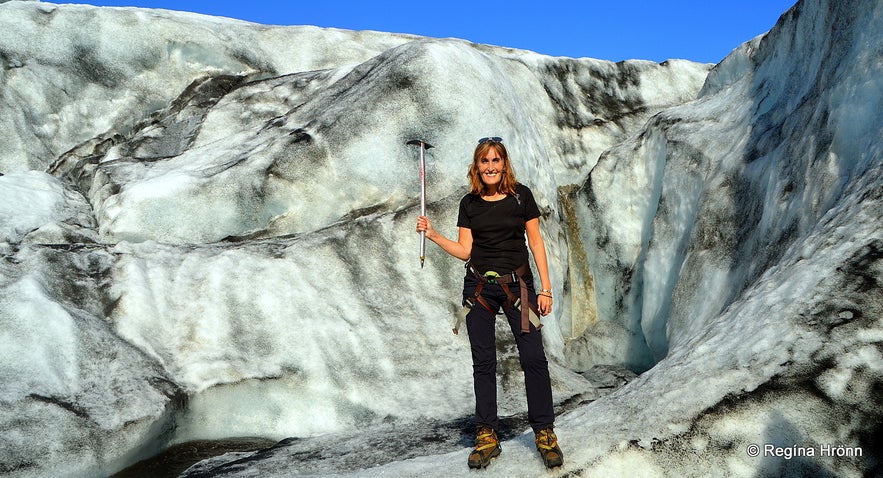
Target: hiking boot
<point x="547" y="445"/>
<point x="487" y="446"/>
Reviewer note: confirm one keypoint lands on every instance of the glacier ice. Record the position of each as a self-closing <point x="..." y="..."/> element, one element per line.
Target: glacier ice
<point x="206" y="230"/>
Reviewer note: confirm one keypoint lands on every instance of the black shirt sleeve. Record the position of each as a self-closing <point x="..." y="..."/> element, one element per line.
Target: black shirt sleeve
<point x="463" y="217"/>
<point x="531" y="210"/>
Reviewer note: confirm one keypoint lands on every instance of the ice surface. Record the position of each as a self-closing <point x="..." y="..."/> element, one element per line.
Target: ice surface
<point x="38" y="208"/>
<point x="75" y="86"/>
<point x="75" y="399"/>
<point x="206" y="230"/>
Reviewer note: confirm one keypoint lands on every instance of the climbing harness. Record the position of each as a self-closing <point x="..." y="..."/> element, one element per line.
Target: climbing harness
<point x="529" y="314"/>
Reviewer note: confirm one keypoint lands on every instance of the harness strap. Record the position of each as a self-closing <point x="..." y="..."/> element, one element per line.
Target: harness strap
<point x="526" y="306"/>
<point x="478" y="298"/>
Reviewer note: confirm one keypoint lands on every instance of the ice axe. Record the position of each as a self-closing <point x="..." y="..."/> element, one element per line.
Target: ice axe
<point x="423" y="147"/>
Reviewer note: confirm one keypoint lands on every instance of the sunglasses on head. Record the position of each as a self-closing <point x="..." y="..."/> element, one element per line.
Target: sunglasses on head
<point x="494" y="139"/>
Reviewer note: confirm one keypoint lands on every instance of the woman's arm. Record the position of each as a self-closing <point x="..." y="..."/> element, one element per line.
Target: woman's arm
<point x="462" y="249"/>
<point x="538" y="249"/>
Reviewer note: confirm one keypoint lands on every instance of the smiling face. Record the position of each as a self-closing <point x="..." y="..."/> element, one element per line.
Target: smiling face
<point x="491" y="171"/>
<point x="490" y="167"/>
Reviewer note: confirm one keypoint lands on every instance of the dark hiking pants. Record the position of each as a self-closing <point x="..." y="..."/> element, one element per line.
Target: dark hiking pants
<point x="480" y="326"/>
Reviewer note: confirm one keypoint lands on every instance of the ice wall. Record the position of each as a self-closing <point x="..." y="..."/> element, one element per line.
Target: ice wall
<point x="75" y="398"/>
<point x="72" y="72"/>
<point x="718" y="190"/>
<point x="736" y="241"/>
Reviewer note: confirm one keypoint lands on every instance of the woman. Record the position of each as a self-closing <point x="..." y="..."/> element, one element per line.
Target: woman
<point x="493" y="220"/>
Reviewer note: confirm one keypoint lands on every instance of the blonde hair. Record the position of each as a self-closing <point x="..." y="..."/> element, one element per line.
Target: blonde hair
<point x="507" y="182"/>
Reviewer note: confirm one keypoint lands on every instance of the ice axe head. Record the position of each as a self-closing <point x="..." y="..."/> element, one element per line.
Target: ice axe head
<point x="419" y="142"/>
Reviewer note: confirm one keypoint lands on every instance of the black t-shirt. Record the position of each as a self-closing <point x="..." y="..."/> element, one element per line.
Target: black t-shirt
<point x="498" y="242"/>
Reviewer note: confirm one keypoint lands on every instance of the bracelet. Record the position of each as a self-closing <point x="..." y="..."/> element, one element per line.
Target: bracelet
<point x="545" y="294"/>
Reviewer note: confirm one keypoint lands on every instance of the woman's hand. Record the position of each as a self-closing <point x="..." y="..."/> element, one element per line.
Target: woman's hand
<point x="544" y="303"/>
<point x="424" y="225"/>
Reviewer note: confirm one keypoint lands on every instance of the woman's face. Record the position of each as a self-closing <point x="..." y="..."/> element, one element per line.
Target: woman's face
<point x="490" y="167"/>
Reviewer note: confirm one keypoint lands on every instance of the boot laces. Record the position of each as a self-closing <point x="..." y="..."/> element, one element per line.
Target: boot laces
<point x="487" y="438"/>
<point x="546" y="439"/>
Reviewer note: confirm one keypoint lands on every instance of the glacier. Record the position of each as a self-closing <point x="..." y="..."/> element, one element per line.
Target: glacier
<point x="207" y="234"/>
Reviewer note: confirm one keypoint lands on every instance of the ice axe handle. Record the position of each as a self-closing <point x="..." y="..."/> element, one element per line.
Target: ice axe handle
<point x="423" y="147"/>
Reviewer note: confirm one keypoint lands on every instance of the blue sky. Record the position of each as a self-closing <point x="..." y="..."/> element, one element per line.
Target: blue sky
<point x="698" y="30"/>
